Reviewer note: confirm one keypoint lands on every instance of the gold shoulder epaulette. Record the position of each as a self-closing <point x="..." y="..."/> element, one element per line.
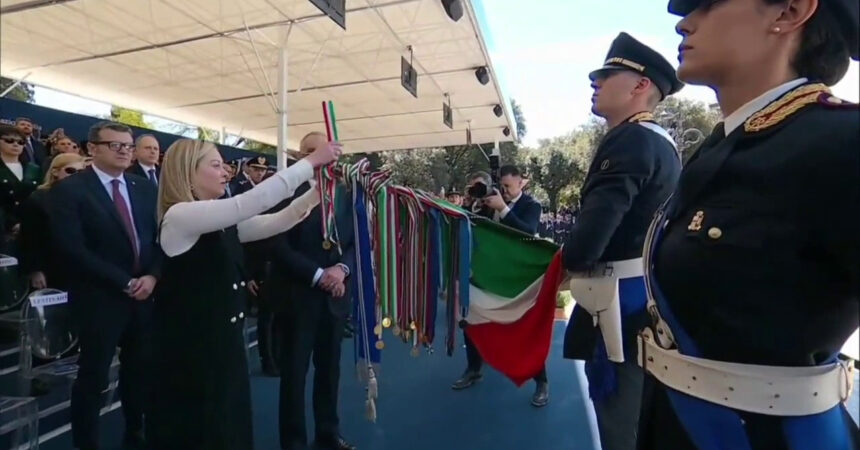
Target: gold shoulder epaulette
<point x="644" y="116"/>
<point x="789" y="104"/>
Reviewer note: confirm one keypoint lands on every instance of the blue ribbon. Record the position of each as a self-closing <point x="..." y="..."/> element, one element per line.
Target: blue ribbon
<point x="715" y="427"/>
<point x="435" y="267"/>
<point x="599" y="370"/>
<point x="366" y="290"/>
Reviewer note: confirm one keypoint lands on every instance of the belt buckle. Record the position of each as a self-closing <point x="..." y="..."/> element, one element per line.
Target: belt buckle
<point x="608" y="270"/>
<point x="846" y="368"/>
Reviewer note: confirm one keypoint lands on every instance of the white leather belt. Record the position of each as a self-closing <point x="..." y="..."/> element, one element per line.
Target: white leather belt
<point x="628" y="268"/>
<point x="596" y="291"/>
<point x="771" y="390"/>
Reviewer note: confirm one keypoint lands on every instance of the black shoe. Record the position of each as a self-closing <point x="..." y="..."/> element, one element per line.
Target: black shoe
<point x="469" y="378"/>
<point x="333" y="443"/>
<point x="541" y="397"/>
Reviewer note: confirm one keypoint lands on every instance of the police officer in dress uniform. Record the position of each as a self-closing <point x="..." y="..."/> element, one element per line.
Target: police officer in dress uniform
<point x="635" y="168"/>
<point x="753" y="265"/>
<point x="257" y="260"/>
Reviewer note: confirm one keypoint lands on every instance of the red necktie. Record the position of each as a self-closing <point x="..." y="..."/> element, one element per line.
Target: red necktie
<point x="125" y="215"/>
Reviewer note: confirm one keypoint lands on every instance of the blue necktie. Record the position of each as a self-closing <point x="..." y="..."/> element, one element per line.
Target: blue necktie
<point x="152" y="177"/>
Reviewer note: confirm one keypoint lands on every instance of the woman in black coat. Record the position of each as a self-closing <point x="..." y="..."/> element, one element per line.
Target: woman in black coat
<point x="37" y="254"/>
<point x="202" y="399"/>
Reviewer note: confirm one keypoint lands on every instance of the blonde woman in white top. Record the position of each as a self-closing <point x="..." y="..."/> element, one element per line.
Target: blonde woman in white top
<point x="202" y="397"/>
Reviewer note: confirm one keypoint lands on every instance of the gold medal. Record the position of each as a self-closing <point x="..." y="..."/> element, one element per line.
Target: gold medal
<point x="415" y="352"/>
<point x="380" y="345"/>
<point x="326" y="245"/>
<point x="412" y="326"/>
<point x="377" y="330"/>
<point x="386" y="322"/>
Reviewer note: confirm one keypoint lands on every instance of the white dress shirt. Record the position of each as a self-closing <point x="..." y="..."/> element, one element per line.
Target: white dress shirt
<point x="501" y="215"/>
<point x="147" y="170"/>
<point x="107" y="183"/>
<point x="185" y="222"/>
<point x="737" y="118"/>
<point x="17" y="169"/>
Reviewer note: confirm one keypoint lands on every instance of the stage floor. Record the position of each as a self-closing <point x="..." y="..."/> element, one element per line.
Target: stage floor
<point x="417" y="409"/>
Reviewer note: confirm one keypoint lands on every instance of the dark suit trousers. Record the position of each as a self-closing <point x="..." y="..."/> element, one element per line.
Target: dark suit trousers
<point x="309" y="329"/>
<point x="105" y="324"/>
<point x="475" y="361"/>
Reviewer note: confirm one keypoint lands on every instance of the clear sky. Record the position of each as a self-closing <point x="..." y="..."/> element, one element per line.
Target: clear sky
<point x="542" y="51"/>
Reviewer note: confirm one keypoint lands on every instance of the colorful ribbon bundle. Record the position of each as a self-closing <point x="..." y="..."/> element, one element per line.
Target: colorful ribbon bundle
<point x="327" y="183"/>
<point x="410" y="248"/>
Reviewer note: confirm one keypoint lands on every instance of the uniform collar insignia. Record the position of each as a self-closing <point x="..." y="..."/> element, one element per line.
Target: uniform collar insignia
<point x="644" y="116"/>
<point x="785" y="106"/>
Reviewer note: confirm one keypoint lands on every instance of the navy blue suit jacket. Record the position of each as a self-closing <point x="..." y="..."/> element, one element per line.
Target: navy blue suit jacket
<point x="524" y="215"/>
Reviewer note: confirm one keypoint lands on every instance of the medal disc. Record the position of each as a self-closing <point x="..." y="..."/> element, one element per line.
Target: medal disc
<point x="415" y="352"/>
<point x="386" y="322"/>
<point x="380" y="345"/>
<point x="326" y="245"/>
<point x="377" y="330"/>
<point x="396" y="330"/>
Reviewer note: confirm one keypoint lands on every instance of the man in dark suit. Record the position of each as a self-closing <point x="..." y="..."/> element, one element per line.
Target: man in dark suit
<point x="507" y="204"/>
<point x="512" y="206"/>
<point x="34" y="151"/>
<point x="146" y="156"/>
<point x="635" y="168"/>
<point x="311" y="275"/>
<point x="106" y="218"/>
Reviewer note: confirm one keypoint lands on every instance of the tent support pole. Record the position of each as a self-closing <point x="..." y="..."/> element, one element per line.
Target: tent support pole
<point x="282" y="106"/>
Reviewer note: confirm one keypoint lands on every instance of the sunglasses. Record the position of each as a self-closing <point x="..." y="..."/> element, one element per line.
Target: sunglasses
<point x="9" y="140"/>
<point x="70" y="170"/>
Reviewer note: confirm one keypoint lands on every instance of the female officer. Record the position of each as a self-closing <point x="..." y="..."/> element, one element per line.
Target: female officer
<point x="754" y="264"/>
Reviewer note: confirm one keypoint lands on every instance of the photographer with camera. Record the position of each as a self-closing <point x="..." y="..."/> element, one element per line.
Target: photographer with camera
<point x="508" y="204"/>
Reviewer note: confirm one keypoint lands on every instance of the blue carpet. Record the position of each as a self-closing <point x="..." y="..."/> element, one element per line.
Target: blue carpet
<point x="418" y="410"/>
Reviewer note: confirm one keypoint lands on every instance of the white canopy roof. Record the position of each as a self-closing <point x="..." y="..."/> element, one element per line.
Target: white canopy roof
<point x="214" y="63"/>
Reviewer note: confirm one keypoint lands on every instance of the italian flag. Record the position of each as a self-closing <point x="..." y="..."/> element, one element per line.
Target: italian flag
<point x="512" y="298"/>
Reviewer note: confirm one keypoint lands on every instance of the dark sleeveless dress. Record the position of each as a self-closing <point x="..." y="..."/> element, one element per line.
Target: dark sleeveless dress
<point x="202" y="397"/>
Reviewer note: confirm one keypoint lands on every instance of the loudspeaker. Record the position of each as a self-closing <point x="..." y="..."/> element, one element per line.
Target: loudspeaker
<point x="454" y="9"/>
<point x="447" y="115"/>
<point x="497" y="110"/>
<point x="506" y="131"/>
<point x="482" y="75"/>
<point x="408" y="77"/>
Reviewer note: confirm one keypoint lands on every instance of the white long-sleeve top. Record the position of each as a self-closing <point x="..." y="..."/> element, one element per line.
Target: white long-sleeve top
<point x="185" y="222"/>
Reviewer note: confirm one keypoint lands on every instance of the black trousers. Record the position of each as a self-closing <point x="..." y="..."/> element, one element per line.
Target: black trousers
<point x="309" y="329"/>
<point x="475" y="361"/>
<point x="268" y="336"/>
<point x="103" y="325"/>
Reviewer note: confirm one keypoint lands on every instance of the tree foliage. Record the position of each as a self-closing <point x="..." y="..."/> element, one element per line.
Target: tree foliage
<point x="22" y="92"/>
<point x="520" y="119"/>
<point x="128" y="116"/>
<point x="688" y="121"/>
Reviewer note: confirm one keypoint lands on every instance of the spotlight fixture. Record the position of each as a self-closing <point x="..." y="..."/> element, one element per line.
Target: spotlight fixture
<point x="482" y="74"/>
<point x="454" y="9"/>
<point x="497" y="110"/>
<point x="506" y="131"/>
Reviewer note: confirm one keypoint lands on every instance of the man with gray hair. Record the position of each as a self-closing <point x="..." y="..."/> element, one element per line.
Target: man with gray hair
<point x="146" y="153"/>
